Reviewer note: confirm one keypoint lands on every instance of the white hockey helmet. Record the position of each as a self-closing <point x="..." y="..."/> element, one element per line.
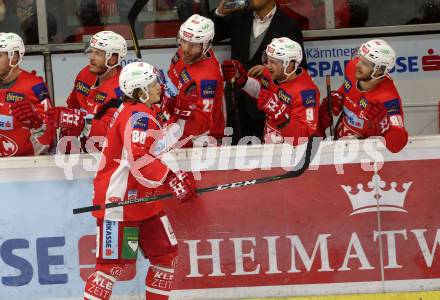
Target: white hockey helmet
<point x="137" y="75"/>
<point x="380" y="54"/>
<point x="11" y="43"/>
<point x="198" y="29"/>
<point x="285" y="50"/>
<point x="111" y="43"/>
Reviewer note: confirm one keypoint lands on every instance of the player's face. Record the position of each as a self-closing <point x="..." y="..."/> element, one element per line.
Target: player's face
<point x="154" y="92"/>
<point x="4" y="64"/>
<point x="364" y="69"/>
<point x="275" y="67"/>
<point x="96" y="61"/>
<point x="191" y="51"/>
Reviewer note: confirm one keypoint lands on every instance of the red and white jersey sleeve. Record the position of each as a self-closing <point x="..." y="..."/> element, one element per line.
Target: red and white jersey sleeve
<point x="16" y="140"/>
<point x="81" y="89"/>
<point x="127" y="168"/>
<point x="352" y="122"/>
<point x="209" y="115"/>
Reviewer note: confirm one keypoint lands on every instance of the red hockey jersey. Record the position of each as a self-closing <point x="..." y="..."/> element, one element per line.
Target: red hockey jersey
<point x="352" y="123"/>
<point x="90" y="99"/>
<point x="121" y="174"/>
<point x="81" y="89"/>
<point x="301" y="95"/>
<point x="16" y="140"/>
<point x="207" y="74"/>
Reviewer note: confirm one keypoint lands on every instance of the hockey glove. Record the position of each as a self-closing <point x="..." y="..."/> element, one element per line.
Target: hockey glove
<point x="377" y="117"/>
<point x="182" y="185"/>
<point x="266" y="81"/>
<point x="275" y="109"/>
<point x="186" y="101"/>
<point x="337" y="105"/>
<point x="71" y="121"/>
<point x="234" y="71"/>
<point x="26" y="113"/>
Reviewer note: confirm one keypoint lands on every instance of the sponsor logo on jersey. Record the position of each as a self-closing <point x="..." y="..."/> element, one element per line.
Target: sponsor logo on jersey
<point x="347" y="85"/>
<point x="130" y="242"/>
<point x="8" y="147"/>
<point x="308" y="98"/>
<point x="139" y="120"/>
<point x="184" y="76"/>
<point x="363" y="102"/>
<point x="100" y="97"/>
<point x="353" y="119"/>
<point x="6" y="122"/>
<point x="284" y="96"/>
<point x="393" y="107"/>
<point x="208" y="88"/>
<point x="82" y="88"/>
<point x="110" y="236"/>
<point x="132" y="194"/>
<point x="175" y="58"/>
<point x="40" y="90"/>
<point x="12" y="97"/>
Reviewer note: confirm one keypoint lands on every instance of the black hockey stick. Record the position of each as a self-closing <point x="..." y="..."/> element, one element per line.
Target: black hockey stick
<point x="132" y="16"/>
<point x="300" y="168"/>
<point x="330" y="103"/>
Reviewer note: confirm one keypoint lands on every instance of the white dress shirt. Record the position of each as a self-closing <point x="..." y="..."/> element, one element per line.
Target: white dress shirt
<point x="260" y="25"/>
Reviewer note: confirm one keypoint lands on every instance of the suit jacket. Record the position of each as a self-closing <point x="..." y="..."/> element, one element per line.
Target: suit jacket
<point x="238" y="27"/>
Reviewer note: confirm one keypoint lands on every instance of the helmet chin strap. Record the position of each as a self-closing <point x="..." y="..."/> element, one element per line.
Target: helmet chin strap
<point x="375" y="69"/>
<point x="5" y="79"/>
<point x="108" y="67"/>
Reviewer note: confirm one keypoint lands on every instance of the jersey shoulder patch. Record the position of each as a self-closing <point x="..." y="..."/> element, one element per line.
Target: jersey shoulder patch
<point x="208" y="88"/>
<point x="40" y="91"/>
<point x="308" y="98"/>
<point x="393" y="107"/>
<point x="139" y="120"/>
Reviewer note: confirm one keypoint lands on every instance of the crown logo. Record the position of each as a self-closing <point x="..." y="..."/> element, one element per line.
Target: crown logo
<point x="371" y="201"/>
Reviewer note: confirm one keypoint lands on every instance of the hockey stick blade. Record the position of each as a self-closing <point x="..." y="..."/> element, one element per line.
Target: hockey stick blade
<point x="132" y="16"/>
<point x="300" y="168"/>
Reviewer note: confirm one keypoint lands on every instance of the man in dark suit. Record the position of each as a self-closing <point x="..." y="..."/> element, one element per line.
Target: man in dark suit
<point x="251" y="29"/>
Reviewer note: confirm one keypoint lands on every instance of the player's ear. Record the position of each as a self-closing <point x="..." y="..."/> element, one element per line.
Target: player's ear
<point x="15" y="58"/>
<point x="291" y="66"/>
<point x="113" y="60"/>
<point x="380" y="71"/>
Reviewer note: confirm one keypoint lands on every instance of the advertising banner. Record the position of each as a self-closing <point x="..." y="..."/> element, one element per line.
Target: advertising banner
<point x="336" y="229"/>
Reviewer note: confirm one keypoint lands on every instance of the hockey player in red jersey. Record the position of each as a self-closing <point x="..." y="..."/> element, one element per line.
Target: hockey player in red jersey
<point x="368" y="101"/>
<point x="122" y="175"/>
<point x="195" y="61"/>
<point x="92" y="101"/>
<point x="291" y="104"/>
<point x="24" y="100"/>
